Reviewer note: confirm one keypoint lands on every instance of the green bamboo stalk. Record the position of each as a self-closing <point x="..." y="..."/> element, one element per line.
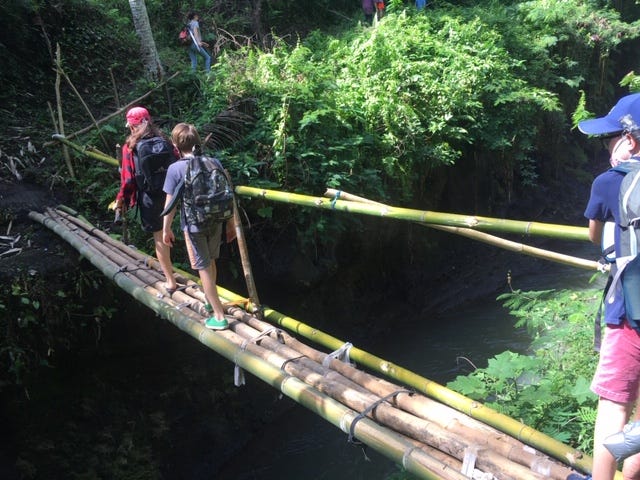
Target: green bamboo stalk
<point x="491" y="239"/>
<point x="98" y="156"/>
<point x="565" y="232"/>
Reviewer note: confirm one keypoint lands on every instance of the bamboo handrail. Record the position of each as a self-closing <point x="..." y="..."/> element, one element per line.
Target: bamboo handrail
<point x="565" y="232"/>
<point x="465" y="224"/>
<point x="490" y="239"/>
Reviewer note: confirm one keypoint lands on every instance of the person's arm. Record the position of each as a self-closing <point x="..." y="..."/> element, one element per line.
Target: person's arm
<point x="128" y="187"/>
<point x="196" y="33"/>
<point x="595" y="231"/>
<point x="168" y="238"/>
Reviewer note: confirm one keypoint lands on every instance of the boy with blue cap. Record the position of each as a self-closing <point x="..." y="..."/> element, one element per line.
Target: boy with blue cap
<point x="617" y="377"/>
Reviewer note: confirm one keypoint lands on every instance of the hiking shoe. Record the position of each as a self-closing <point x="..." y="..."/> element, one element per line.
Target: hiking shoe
<point x="213" y="323"/>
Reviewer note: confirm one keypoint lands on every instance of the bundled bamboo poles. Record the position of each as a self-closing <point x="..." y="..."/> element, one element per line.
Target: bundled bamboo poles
<point x="428" y="438"/>
<point x="423" y="216"/>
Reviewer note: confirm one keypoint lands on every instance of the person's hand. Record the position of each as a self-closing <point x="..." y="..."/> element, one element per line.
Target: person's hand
<point x="204" y="44"/>
<point x="168" y="238"/>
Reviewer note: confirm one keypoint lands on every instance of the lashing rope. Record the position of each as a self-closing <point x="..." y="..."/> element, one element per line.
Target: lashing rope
<point x="352" y="439"/>
<point x="238" y="372"/>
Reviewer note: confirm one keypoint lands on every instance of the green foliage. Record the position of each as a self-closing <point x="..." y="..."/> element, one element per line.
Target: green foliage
<point x="41" y="320"/>
<point x="549" y="388"/>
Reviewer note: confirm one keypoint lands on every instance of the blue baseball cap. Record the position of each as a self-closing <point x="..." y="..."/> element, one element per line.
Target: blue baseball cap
<point x="611" y="122"/>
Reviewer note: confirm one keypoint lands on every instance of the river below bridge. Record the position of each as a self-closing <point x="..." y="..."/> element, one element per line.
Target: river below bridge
<point x="303" y="446"/>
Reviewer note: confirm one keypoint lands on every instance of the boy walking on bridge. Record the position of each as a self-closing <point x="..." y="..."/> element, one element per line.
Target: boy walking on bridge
<point x="202" y="235"/>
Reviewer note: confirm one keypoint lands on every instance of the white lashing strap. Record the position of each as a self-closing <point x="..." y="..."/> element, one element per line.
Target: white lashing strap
<point x="341" y="354"/>
<point x="469" y="461"/>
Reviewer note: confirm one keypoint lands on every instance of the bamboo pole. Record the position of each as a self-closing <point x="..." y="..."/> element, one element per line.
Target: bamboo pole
<point x="98" y="156"/>
<point x="119" y="110"/>
<point x="61" y="71"/>
<point x="65" y="150"/>
<point x="490" y="239"/>
<point x="565" y="232"/>
<point x="244" y="258"/>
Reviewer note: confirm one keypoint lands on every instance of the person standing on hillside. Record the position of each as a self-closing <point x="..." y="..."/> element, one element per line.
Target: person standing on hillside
<point x="197" y="46"/>
<point x="617" y="377"/>
<point x="368" y="8"/>
<point x="133" y="188"/>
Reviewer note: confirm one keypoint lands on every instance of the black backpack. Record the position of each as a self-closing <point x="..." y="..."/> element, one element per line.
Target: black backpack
<point x="207" y="197"/>
<point x="152" y="157"/>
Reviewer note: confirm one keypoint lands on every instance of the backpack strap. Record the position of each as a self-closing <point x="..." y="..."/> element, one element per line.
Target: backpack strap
<point x="177" y="194"/>
<point x="597" y="327"/>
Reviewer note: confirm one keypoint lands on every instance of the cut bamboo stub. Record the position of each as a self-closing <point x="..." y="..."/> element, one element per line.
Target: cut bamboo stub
<point x="428" y="438"/>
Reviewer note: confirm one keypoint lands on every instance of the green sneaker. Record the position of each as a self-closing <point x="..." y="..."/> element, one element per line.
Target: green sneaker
<point x="208" y="308"/>
<point x="213" y="323"/>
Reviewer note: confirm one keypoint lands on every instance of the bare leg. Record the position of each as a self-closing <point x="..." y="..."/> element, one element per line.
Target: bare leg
<point x="208" y="279"/>
<point x="611" y="418"/>
<point x="163" y="252"/>
<point x="631" y="466"/>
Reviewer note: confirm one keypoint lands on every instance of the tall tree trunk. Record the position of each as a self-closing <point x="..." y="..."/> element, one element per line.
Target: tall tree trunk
<point x="148" y="51"/>
<point x="256" y="22"/>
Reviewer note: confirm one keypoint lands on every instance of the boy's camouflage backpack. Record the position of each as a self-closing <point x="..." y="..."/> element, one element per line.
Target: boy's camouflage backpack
<point x="207" y="197"/>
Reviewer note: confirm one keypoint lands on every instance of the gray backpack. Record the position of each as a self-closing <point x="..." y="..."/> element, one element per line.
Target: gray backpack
<point x="626" y="279"/>
<point x="207" y="197"/>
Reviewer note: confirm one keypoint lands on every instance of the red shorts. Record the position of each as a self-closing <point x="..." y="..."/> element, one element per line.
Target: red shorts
<point x="617" y="377"/>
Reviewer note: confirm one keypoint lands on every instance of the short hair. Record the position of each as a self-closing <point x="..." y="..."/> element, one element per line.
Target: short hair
<point x="185" y="137"/>
<point x="191" y="14"/>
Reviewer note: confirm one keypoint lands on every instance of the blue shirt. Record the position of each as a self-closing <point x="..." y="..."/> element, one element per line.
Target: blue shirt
<point x="604" y="206"/>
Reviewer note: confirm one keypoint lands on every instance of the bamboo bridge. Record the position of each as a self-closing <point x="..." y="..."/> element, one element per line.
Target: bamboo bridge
<point x="429" y="430"/>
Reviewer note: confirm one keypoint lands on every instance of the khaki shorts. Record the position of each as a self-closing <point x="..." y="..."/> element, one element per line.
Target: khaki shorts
<point x="203" y="247"/>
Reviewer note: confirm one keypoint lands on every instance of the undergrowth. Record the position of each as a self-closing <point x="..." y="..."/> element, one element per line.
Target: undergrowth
<point x="548" y="389"/>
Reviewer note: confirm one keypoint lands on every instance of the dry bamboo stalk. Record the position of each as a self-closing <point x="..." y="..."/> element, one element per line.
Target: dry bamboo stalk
<point x="119" y="111"/>
<point x="84" y="104"/>
<point x="65" y="150"/>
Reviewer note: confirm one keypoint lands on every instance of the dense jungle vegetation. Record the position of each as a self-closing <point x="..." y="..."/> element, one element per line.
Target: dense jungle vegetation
<point x="467" y="107"/>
